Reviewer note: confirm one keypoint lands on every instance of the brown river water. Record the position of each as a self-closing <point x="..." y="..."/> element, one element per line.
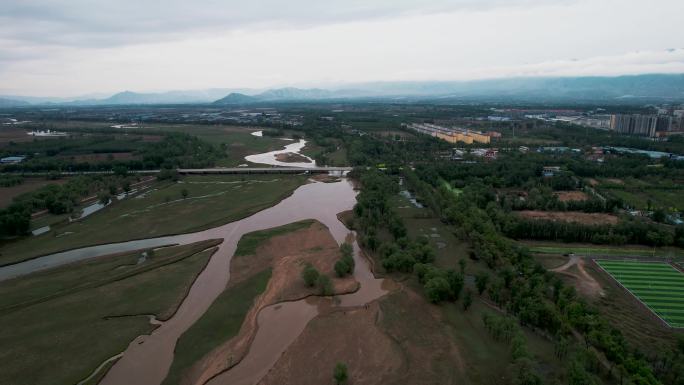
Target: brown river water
<point x="148" y="358"/>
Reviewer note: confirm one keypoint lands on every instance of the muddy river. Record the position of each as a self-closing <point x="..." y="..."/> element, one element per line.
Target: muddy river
<point x="148" y="358"/>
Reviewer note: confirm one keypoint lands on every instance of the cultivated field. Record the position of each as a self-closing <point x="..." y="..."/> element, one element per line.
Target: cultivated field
<point x="657" y="284"/>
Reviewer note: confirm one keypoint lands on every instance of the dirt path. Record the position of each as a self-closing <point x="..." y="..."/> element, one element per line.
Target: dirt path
<point x="584" y="282"/>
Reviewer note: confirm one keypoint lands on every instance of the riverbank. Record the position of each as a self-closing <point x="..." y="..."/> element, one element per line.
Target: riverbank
<point x="163" y="210"/>
<point x="58" y="325"/>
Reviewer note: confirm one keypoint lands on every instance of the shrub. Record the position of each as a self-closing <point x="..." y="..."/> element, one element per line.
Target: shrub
<point x="310" y="275"/>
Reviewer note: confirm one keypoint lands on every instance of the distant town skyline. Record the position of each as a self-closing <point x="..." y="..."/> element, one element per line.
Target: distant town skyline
<point x="69" y="48"/>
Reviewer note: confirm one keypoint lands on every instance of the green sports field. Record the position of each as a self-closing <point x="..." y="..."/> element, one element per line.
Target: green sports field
<point x="657" y="284"/>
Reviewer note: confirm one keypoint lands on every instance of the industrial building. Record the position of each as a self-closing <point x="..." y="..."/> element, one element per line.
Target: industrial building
<point x="451" y="135"/>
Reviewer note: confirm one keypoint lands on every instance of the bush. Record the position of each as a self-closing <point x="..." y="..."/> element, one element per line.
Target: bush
<point x="342" y="268"/>
<point x="437" y="289"/>
<point x="325" y="285"/>
<point x="346" y="264"/>
<point x="340" y="373"/>
<point x="310" y="275"/>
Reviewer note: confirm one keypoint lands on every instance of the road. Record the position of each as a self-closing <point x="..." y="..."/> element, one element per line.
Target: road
<point x="223" y="170"/>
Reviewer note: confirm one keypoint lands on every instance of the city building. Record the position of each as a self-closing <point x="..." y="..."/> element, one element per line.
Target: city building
<point x="641" y="125"/>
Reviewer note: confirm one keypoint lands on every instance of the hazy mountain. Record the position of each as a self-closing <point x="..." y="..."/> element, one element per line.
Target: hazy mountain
<point x="572" y="88"/>
<point x="170" y="97"/>
<point x="663" y="87"/>
<point x="12" y="103"/>
<point x="635" y="88"/>
<point x="236" y="98"/>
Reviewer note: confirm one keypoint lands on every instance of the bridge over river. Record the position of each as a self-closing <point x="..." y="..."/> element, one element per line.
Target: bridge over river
<point x="219" y="170"/>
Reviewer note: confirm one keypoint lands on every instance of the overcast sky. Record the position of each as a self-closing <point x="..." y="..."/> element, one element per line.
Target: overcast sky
<point x="74" y="47"/>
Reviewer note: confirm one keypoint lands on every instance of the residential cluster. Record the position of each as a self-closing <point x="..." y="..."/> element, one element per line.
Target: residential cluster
<point x="451" y="135"/>
<point x="670" y="122"/>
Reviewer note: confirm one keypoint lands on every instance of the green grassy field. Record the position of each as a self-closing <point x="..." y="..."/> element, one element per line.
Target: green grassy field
<point x="217" y="325"/>
<point x="581" y="249"/>
<point x="212" y="201"/>
<point x="657" y="284"/>
<point x="420" y="222"/>
<point x="58" y="325"/>
<point x="249" y="242"/>
<point x="238" y="140"/>
<point x="665" y="198"/>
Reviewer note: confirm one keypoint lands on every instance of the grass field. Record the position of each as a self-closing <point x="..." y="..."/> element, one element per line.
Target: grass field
<point x="218" y="324"/>
<point x="582" y="249"/>
<point x="657" y="284"/>
<point x="239" y="140"/>
<point x="658" y="197"/>
<point x="211" y="201"/>
<point x="420" y="222"/>
<point x="58" y="325"/>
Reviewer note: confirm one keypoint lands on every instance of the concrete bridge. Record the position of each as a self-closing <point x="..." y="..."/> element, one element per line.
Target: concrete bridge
<point x="209" y="171"/>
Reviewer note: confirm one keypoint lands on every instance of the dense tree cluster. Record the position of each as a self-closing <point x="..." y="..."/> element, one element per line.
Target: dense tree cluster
<point x="174" y="150"/>
<point x="56" y="199"/>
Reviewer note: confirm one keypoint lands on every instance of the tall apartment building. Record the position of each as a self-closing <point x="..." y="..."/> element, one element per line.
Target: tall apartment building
<point x="642" y="125"/>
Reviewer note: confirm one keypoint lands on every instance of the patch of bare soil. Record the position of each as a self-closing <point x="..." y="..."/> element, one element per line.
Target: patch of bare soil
<point x="430" y="353"/>
<point x="592" y="181"/>
<point x="580" y="279"/>
<point x="347" y="217"/>
<point x="353" y="337"/>
<point x="291" y="157"/>
<point x="286" y="254"/>
<point x="571" y="216"/>
<point x="569" y="196"/>
<point x="615" y="181"/>
<point x="399" y="339"/>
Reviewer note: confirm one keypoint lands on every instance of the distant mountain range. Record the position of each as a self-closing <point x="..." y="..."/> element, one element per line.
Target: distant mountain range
<point x="636" y="88"/>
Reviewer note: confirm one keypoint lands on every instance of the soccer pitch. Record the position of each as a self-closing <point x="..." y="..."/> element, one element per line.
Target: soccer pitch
<point x="657" y="284"/>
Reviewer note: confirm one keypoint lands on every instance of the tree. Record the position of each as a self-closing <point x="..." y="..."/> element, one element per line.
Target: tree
<point x="184" y="193"/>
<point x="467" y="299"/>
<point x="455" y="283"/>
<point x="325" y="285"/>
<point x="462" y="265"/>
<point x="481" y="280"/>
<point x="310" y="275"/>
<point x="342" y="268"/>
<point x="340" y="373"/>
<point x="126" y="186"/>
<point x="104" y="198"/>
<point x="437" y="289"/>
<point x="346" y="249"/>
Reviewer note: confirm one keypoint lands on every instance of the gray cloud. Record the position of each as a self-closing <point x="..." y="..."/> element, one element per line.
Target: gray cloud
<point x="97" y="23"/>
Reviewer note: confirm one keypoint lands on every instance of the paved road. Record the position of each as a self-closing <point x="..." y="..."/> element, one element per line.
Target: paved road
<point x="225" y="170"/>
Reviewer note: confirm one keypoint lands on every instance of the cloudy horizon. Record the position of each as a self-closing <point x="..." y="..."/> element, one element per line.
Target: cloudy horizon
<point x="70" y="48"/>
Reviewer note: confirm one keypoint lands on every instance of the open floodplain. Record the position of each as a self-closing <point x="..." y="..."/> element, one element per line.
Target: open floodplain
<point x="658" y="285"/>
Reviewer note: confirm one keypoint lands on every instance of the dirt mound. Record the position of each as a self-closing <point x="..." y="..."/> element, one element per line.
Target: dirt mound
<point x="570" y="196"/>
<point x="286" y="254"/>
<point x="571" y="216"/>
